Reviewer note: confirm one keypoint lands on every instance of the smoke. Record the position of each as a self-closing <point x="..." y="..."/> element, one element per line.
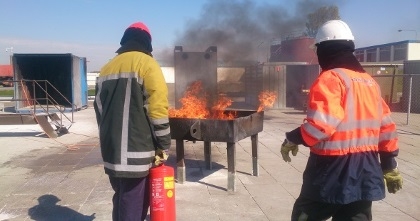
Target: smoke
<point x="243" y="30"/>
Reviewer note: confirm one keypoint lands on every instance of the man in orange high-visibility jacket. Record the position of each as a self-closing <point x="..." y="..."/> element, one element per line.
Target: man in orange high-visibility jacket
<point x="350" y="133"/>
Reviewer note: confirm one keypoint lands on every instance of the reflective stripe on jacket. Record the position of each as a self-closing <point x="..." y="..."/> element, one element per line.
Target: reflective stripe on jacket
<point x="346" y="114"/>
<point x="131" y="108"/>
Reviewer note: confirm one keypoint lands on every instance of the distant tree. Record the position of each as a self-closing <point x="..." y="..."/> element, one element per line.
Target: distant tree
<point x="319" y="17"/>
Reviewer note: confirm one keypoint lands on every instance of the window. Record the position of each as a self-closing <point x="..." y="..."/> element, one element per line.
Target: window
<point x="371" y="55"/>
<point x="385" y="53"/>
<point x="400" y="52"/>
<point x="360" y="55"/>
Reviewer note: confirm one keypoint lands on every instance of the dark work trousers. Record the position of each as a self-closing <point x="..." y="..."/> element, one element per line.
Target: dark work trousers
<point x="131" y="198"/>
<point x="308" y="210"/>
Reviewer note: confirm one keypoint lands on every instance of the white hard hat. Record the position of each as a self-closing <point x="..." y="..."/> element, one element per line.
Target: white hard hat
<point x="333" y="30"/>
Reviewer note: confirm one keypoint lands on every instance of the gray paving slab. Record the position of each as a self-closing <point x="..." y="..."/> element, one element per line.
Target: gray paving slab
<point x="63" y="178"/>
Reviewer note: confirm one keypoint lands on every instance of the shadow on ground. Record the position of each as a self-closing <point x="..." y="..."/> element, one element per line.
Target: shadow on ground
<point x="48" y="210"/>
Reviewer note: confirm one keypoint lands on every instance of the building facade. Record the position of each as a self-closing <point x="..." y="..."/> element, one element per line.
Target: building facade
<point x="391" y="52"/>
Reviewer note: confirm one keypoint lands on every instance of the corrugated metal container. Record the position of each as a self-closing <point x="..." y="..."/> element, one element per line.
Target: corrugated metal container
<point x="65" y="72"/>
<point x="274" y="80"/>
<point x="287" y="80"/>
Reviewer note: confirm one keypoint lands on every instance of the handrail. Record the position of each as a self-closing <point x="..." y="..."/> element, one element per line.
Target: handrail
<point x="48" y="98"/>
<point x="55" y="103"/>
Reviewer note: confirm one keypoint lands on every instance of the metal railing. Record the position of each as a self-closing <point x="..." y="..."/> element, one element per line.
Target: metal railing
<point x="46" y="103"/>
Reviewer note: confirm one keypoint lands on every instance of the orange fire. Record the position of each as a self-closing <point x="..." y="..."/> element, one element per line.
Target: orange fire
<point x="266" y="99"/>
<point x="218" y="110"/>
<point x="194" y="104"/>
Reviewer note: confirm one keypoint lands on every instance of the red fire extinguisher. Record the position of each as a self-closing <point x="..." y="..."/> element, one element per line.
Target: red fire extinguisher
<point x="162" y="193"/>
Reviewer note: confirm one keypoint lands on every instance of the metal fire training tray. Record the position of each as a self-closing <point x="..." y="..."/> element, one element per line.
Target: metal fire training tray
<point x="246" y="124"/>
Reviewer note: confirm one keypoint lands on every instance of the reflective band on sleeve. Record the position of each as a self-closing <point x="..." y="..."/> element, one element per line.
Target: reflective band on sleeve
<point x="386" y="120"/>
<point x="314" y="132"/>
<point x="323" y="117"/>
<point x="160" y="133"/>
<point x="388" y="136"/>
<point x="160" y="121"/>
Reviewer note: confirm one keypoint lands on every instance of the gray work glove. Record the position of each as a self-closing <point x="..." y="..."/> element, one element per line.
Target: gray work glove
<point x="287" y="147"/>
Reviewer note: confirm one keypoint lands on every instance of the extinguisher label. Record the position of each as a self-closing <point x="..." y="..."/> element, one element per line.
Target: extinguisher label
<point x="158" y="197"/>
<point x="168" y="183"/>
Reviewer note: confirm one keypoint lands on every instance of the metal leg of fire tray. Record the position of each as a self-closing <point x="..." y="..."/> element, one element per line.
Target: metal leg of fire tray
<point x="231" y="156"/>
<point x="180" y="162"/>
<point x="207" y="155"/>
<point x="254" y="141"/>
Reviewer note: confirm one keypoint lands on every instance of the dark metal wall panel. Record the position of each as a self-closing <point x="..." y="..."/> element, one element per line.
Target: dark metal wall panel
<point x="298" y="79"/>
<point x="312" y="74"/>
<point x="295" y="82"/>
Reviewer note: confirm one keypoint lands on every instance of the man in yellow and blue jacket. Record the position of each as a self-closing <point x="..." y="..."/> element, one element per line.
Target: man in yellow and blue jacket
<point x="131" y="107"/>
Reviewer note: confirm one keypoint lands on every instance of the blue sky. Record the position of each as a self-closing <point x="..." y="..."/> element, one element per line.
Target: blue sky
<point x="93" y="28"/>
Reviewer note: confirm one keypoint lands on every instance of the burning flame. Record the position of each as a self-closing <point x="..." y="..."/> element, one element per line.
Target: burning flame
<point x="218" y="110"/>
<point x="194" y="104"/>
<point x="266" y="99"/>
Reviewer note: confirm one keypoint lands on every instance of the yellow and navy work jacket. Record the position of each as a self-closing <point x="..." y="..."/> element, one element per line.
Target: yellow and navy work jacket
<point x="349" y="131"/>
<point x="131" y="107"/>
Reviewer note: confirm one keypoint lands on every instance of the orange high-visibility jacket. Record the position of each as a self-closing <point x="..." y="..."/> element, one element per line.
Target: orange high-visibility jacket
<point x="346" y="114"/>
